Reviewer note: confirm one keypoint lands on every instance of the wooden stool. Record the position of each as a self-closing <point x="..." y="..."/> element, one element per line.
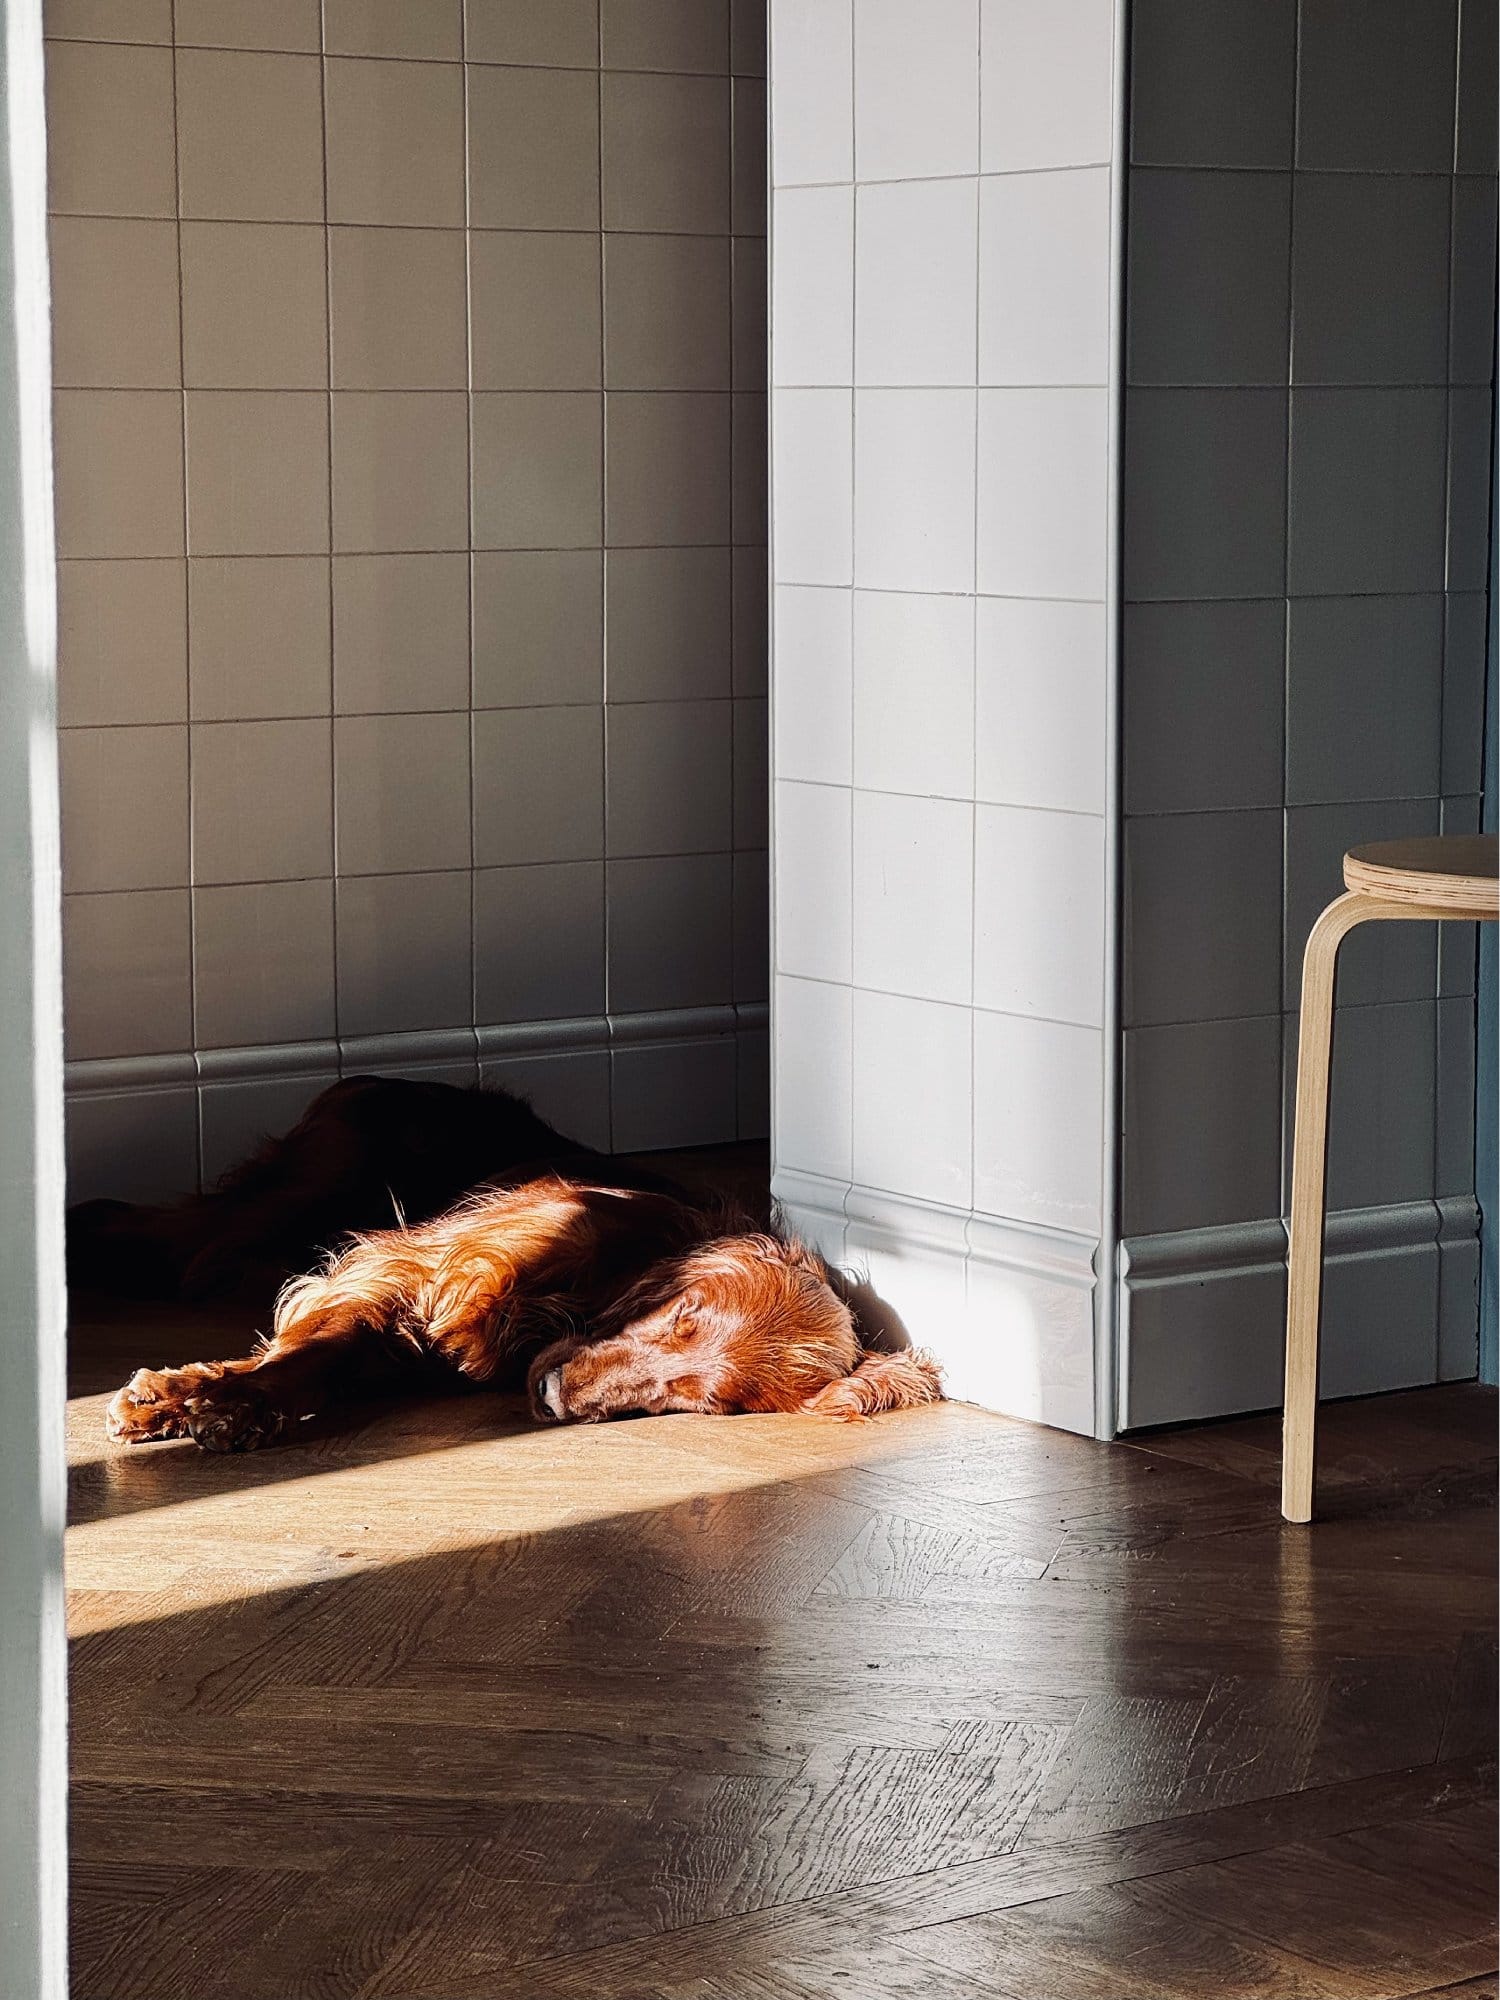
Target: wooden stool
<point x="1394" y="881"/>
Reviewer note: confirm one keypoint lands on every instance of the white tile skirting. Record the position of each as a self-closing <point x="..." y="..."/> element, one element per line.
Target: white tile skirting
<point x="1007" y="1307"/>
<point x="1201" y="1311"/>
<point x="142" y="1127"/>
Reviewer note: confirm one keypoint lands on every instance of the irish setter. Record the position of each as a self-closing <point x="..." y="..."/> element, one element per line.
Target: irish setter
<point x="604" y="1299"/>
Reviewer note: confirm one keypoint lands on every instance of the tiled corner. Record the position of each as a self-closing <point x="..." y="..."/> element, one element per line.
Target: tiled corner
<point x="814" y="880"/>
<point x="812" y="287"/>
<point x="812" y="516"/>
<point x="814" y="1077"/>
<point x="812" y="95"/>
<point x="814" y="684"/>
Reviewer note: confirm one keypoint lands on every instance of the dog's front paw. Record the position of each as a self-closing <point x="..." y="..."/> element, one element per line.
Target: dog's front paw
<point x="151" y="1405"/>
<point x="225" y="1416"/>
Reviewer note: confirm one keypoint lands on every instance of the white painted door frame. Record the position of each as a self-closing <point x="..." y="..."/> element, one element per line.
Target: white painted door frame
<point x="33" y="1688"/>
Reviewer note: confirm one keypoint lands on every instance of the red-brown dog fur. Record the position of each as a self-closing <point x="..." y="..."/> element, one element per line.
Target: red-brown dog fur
<point x="620" y="1300"/>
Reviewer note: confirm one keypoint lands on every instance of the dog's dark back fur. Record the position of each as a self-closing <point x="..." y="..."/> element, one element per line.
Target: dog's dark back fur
<point x="367" y="1151"/>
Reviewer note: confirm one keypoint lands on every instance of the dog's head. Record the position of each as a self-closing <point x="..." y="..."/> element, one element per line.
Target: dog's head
<point x="748" y="1323"/>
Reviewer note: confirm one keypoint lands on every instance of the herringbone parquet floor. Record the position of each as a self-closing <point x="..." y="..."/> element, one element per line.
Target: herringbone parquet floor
<point x="440" y="1705"/>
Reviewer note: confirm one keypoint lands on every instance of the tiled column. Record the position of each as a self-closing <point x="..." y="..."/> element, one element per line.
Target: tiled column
<point x="943" y="244"/>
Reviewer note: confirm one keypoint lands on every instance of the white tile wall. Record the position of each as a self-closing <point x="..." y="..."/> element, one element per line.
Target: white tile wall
<point x="938" y="1060"/>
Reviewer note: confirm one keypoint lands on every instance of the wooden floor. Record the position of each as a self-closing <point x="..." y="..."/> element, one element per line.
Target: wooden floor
<point x="766" y="1709"/>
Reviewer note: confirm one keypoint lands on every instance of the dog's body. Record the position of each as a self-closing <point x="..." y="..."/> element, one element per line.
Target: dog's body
<point x="605" y="1293"/>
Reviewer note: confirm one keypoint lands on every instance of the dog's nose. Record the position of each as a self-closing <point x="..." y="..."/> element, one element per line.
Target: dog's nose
<point x="551" y="1392"/>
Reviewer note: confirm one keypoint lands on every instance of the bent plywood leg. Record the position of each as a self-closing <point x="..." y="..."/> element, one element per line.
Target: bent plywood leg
<point x="1309" y="1170"/>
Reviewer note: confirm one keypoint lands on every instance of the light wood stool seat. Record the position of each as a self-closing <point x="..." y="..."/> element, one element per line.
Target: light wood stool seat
<point x="1446" y="876"/>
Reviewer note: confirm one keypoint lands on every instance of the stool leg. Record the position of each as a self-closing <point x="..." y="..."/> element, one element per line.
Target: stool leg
<point x="1309" y="1170"/>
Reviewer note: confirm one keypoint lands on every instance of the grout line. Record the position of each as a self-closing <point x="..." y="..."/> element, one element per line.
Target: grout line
<point x="333" y="787"/>
<point x="472" y="737"/>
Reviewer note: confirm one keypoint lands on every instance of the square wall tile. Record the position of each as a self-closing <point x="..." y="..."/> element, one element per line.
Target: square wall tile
<point x="749" y="333"/>
<point x="668" y="614"/>
<point x="538" y="785"/>
<point x="1364" y="698"/>
<point x="535" y="309"/>
<point x="396" y="143"/>
<point x="914" y="693"/>
<point x="665" y="35"/>
<point x="664" y="153"/>
<point x="1471" y="314"/>
<point x="121" y="642"/>
<point x="814" y="1078"/>
<point x="752" y="771"/>
<point x="1039" y="704"/>
<point x="124" y="807"/>
<point x="747" y="37"/>
<point x="667" y="312"/>
<point x="1044" y="277"/>
<point x="399" y="309"/>
<point x="404" y="953"/>
<point x="1213" y="82"/>
<point x="257" y="473"/>
<point x="1378" y="961"/>
<point x="1203" y="697"/>
<point x="812" y="460"/>
<point x="914" y="896"/>
<point x="258" y="637"/>
<point x="1202" y="1140"/>
<point x="109" y="130"/>
<point x="565" y="32"/>
<point x="1038" y="1121"/>
<point x="533" y="148"/>
<point x="570" y="1091"/>
<point x="1375" y="85"/>
<point x="538" y="628"/>
<point x="538" y="471"/>
<point x="237" y="1118"/>
<point x="114" y="303"/>
<point x="914" y="283"/>
<point x="750" y="522"/>
<point x="385" y="823"/>
<point x="752" y="927"/>
<point x="1366" y="491"/>
<point x="670" y="932"/>
<point x="249" y="24"/>
<point x="1043" y="492"/>
<point x="814" y="684"/>
<point x="1047" y="84"/>
<point x="227" y="102"/>
<point x="916" y="89"/>
<point x="254" y="306"/>
<point x="750" y="588"/>
<point x="108" y="21"/>
<point x="262" y="801"/>
<point x="1205" y="493"/>
<point x="264" y="971"/>
<point x="127" y="975"/>
<point x="117" y="457"/>
<point x="913" y="1098"/>
<point x="1202" y="899"/>
<point x="1470" y="430"/>
<point x="1380" y="1113"/>
<point x="1039" y="889"/>
<point x="400" y="633"/>
<point x="400" y="471"/>
<point x="812" y="286"/>
<point x="813" y="881"/>
<point x="667" y="469"/>
<point x="669" y="1094"/>
<point x="1465" y="638"/>
<point x="539" y="942"/>
<point x="133" y="1145"/>
<point x="812" y="102"/>
<point x="1370" y="278"/>
<point x="667" y="777"/>
<point x="1197" y="314"/>
<point x="432" y="32"/>
<point x="914" y="489"/>
<point x="747" y="151"/>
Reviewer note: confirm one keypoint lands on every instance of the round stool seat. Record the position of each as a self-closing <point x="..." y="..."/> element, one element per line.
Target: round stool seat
<point x="1457" y="874"/>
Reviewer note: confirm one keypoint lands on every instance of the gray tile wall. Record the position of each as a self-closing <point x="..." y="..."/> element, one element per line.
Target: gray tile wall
<point x="410" y="423"/>
<point x="1310" y="359"/>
